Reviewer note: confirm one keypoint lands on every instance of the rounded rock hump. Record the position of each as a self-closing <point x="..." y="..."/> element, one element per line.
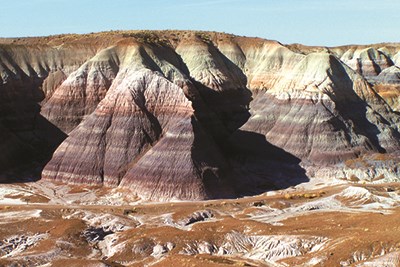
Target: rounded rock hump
<point x="80" y="93"/>
<point x="307" y="113"/>
<point x="208" y="66"/>
<point x="388" y="86"/>
<point x="233" y="52"/>
<point x="367" y="61"/>
<point x="140" y="136"/>
<point x="322" y="75"/>
<point x="266" y="64"/>
<point x="389" y="75"/>
<point x="126" y="122"/>
<point x="396" y="59"/>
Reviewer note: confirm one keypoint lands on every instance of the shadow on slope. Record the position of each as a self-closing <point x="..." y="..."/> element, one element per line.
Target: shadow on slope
<point x="210" y="164"/>
<point x="251" y="164"/>
<point x="235" y="161"/>
<point x="27" y="138"/>
<point x="259" y="166"/>
<point x="353" y="108"/>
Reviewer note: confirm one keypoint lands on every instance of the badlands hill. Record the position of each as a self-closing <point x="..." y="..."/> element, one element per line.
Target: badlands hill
<point x="197" y="115"/>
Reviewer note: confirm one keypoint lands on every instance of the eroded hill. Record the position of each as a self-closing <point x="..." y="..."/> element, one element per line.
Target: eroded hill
<point x="197" y="115"/>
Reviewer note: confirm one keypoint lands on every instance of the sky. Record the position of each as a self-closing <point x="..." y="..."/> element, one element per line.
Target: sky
<point x="310" y="22"/>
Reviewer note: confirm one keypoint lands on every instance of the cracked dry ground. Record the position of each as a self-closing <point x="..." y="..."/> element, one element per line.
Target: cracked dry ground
<point x="336" y="225"/>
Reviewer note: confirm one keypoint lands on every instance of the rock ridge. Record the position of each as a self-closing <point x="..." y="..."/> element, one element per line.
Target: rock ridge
<point x="190" y="115"/>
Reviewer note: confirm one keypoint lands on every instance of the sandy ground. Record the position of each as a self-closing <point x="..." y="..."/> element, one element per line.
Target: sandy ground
<point x="312" y="224"/>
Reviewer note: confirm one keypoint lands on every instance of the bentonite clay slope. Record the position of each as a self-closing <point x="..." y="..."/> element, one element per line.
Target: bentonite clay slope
<point x="79" y="94"/>
<point x="182" y="115"/>
<point x="321" y="112"/>
<point x="142" y="134"/>
<point x="29" y="74"/>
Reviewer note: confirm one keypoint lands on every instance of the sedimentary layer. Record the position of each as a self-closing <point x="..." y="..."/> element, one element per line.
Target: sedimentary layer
<point x="194" y="115"/>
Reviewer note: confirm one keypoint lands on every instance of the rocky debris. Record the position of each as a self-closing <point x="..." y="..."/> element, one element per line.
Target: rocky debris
<point x="102" y="230"/>
<point x="128" y="212"/>
<point x="198" y="216"/>
<point x="340" y="226"/>
<point x="94" y="235"/>
<point x="12" y="196"/>
<point x="258" y="203"/>
<point x="159" y="250"/>
<point x="391" y="259"/>
<point x="144" y="247"/>
<point x="15" y="245"/>
<point x="271" y="248"/>
<point x="201" y="247"/>
<point x="140" y="248"/>
<point x="18" y="216"/>
<point x="362" y="197"/>
<point x="37" y="259"/>
<point x="107" y="222"/>
<point x="265" y="248"/>
<point x="110" y="246"/>
<point x="384" y="256"/>
<point x="348" y="199"/>
<point x="375" y="168"/>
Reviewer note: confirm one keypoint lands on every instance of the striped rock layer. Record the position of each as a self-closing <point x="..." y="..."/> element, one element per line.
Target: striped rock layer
<point x="193" y="115"/>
